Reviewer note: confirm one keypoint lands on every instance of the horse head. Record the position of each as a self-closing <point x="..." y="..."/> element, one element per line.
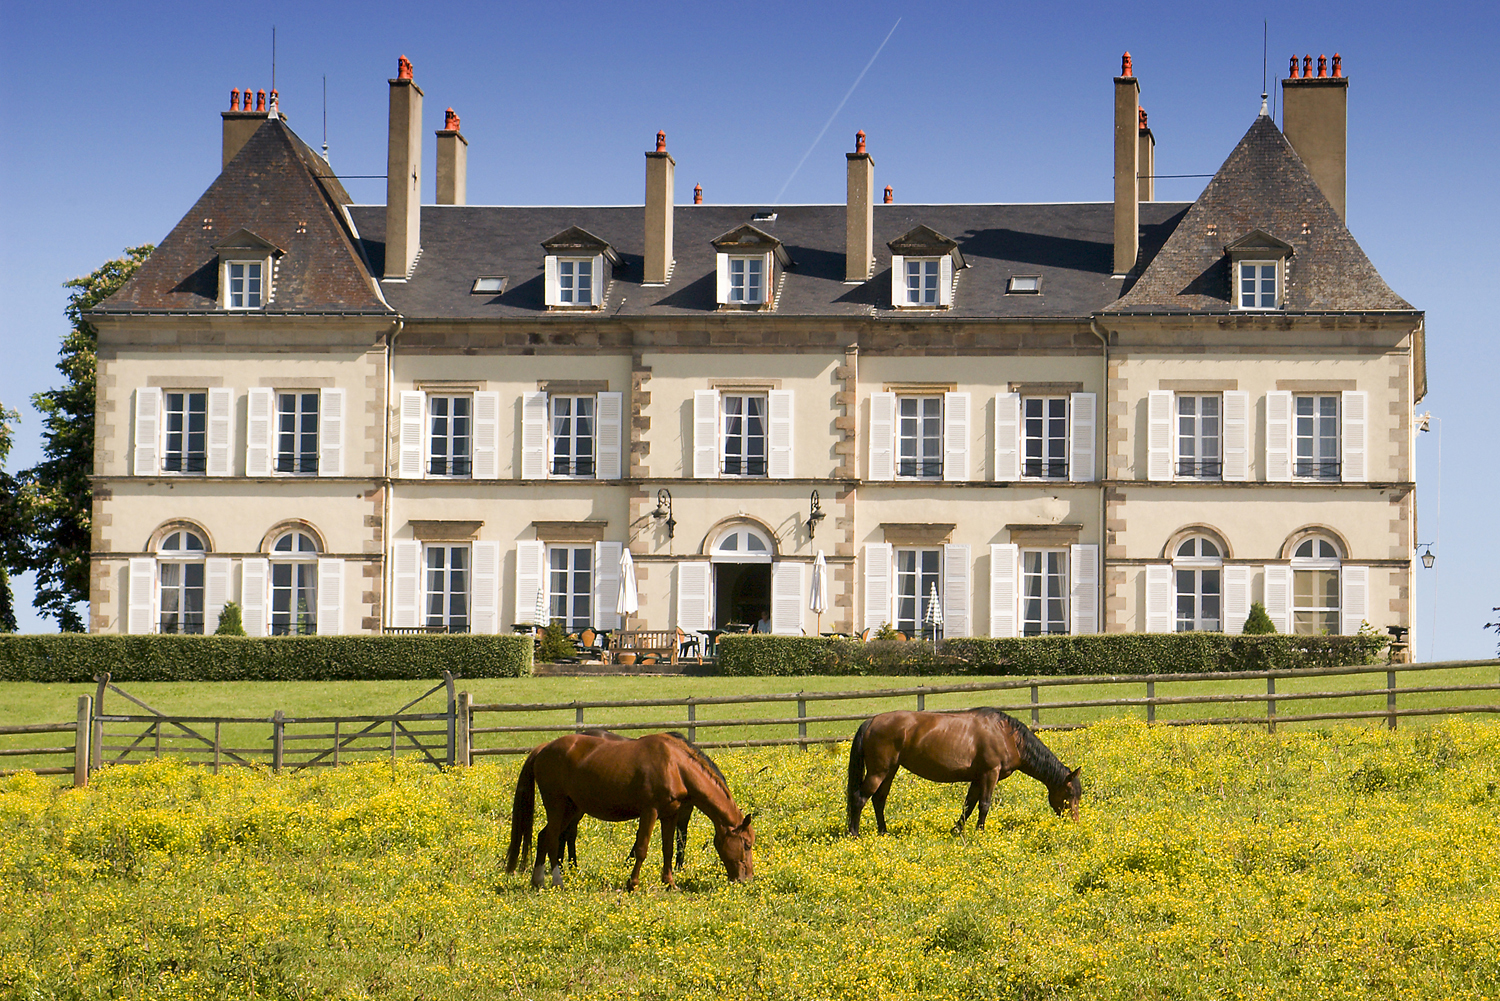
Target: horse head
<point x="1065" y="795"/>
<point x="736" y="847"/>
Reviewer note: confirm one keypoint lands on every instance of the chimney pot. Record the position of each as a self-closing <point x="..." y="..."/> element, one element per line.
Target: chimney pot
<point x="234" y="99"/>
<point x="1142" y="112"/>
<point x="260" y="100"/>
<point x="1293" y="72"/>
<point x="1307" y="65"/>
<point x="1322" y="66"/>
<point x="697" y="194"/>
<point x="1125" y="68"/>
<point x="859" y="141"/>
<point x="450" y="121"/>
<point x="403" y="68"/>
<point x="1338" y="70"/>
<point x="661" y="141"/>
<point x="890" y="194"/>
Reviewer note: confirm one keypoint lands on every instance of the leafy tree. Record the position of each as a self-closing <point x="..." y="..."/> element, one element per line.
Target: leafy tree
<point x="1259" y="623"/>
<point x="1495" y="626"/>
<point x="58" y="491"/>
<point x="230" y="621"/>
<point x="554" y="645"/>
<point x="12" y="525"/>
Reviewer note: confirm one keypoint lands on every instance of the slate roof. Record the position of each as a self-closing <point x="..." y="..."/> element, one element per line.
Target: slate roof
<point x="283" y="193"/>
<point x="1070" y="245"/>
<point x="1263" y="185"/>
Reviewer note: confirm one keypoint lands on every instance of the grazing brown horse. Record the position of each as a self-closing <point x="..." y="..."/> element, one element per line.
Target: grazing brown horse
<point x="570" y="836"/>
<point x="979" y="746"/>
<point x="648" y="779"/>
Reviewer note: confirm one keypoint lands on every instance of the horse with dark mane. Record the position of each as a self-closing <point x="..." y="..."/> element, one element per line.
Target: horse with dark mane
<point x="570" y="836"/>
<point x="654" y="777"/>
<point x="978" y="746"/>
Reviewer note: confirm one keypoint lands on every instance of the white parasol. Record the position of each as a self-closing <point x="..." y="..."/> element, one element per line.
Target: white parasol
<point x="934" y="616"/>
<point x="818" y="601"/>
<point x="629" y="601"/>
<point x="539" y="615"/>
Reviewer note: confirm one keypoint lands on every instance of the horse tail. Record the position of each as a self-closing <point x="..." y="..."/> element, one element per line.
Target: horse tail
<point x="522" y="815"/>
<point x="856" y="770"/>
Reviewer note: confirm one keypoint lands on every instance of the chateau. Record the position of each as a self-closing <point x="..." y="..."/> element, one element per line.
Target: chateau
<point x="1086" y="417"/>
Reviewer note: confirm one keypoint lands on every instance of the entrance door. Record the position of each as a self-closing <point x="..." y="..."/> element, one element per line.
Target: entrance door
<point x="741" y="558"/>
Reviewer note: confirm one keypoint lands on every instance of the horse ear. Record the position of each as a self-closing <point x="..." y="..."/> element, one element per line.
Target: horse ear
<point x="1076" y="773"/>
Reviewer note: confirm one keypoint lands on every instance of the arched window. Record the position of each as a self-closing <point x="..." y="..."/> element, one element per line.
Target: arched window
<point x="294" y="584"/>
<point x="180" y="583"/>
<point x="1198" y="571"/>
<point x="1315" y="587"/>
<point x="741" y="544"/>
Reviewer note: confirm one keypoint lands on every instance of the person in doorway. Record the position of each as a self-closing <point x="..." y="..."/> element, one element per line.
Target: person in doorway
<point x="763" y="624"/>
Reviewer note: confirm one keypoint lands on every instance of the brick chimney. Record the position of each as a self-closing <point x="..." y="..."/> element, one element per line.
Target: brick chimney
<point x="452" y="163"/>
<point x="660" y="168"/>
<point x="403" y="181"/>
<point x="1315" y="120"/>
<point x="1147" y="161"/>
<point x="240" y="123"/>
<point x="1127" y="167"/>
<point x="859" y="227"/>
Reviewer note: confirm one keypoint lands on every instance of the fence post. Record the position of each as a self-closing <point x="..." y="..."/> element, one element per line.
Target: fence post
<point x="1390" y="700"/>
<point x="81" y="740"/>
<point x="452" y="719"/>
<point x="461" y="732"/>
<point x="278" y="729"/>
<point x="1271" y="705"/>
<point x="219" y="743"/>
<point x="921" y="701"/>
<point x="1036" y="714"/>
<point x="1150" y="702"/>
<point x="802" y="722"/>
<point x="692" y="716"/>
<point x="578" y="717"/>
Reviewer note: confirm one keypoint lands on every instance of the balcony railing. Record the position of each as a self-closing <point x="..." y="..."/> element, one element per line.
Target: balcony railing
<point x="1200" y="469"/>
<point x="457" y="465"/>
<point x="1316" y="469"/>
<point x="744" y="465"/>
<point x="190" y="462"/>
<point x="929" y="469"/>
<point x="190" y="624"/>
<point x="1047" y="469"/>
<point x="304" y="626"/>
<point x="564" y="465"/>
<point x="296" y="462"/>
<point x="437" y="630"/>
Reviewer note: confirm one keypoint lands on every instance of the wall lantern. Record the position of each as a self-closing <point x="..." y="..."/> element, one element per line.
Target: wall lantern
<point x="664" y="510"/>
<point x="1427" y="558"/>
<point x="814" y="516"/>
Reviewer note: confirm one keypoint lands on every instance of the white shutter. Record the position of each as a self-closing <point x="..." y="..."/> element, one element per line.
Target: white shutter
<point x="706" y="434"/>
<point x="487" y="436"/>
<point x="534" y="436"/>
<point x="1236" y="598"/>
<point x="1007" y="436"/>
<point x="1159" y="434"/>
<point x="609" y="422"/>
<point x="406" y="583"/>
<point x="531" y="577"/>
<point x="945" y="280"/>
<point x="779" y="434"/>
<point x="877" y="584"/>
<point x="1236" y="418"/>
<point x="484" y="612"/>
<point x="413" y="435"/>
<point x="694" y="603"/>
<point x="1082" y="408"/>
<point x="550" y="292"/>
<point x="787" y="598"/>
<point x="331" y="433"/>
<point x="216" y="571"/>
<point x="1355" y="424"/>
<point x="882" y="436"/>
<point x="260" y="411"/>
<point x="330" y="597"/>
<point x="956" y="436"/>
<point x="723" y="276"/>
<point x="220" y="431"/>
<point x="898" y="280"/>
<point x="958" y="597"/>
<point x="1083" y="577"/>
<point x="1279" y="596"/>
<point x="255" y="583"/>
<point x="601" y="279"/>
<point x="607" y="584"/>
<point x="1278" y="436"/>
<point x="1354" y="598"/>
<point x="140" y="617"/>
<point x="1159" y="617"/>
<point x="1005" y="561"/>
<point x="147" y="433"/>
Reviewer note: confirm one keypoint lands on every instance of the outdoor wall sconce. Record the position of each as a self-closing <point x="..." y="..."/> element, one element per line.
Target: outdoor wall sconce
<point x="664" y="510"/>
<point x="1427" y="558"/>
<point x="814" y="516"/>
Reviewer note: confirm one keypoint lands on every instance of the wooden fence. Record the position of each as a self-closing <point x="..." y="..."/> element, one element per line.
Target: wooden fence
<point x="455" y="736"/>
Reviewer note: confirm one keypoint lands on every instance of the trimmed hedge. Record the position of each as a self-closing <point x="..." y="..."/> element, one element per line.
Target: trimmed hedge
<point x="1111" y="653"/>
<point x="75" y="658"/>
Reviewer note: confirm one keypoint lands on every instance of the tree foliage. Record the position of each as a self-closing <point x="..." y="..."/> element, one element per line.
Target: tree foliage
<point x="12" y="525"/>
<point x="1259" y="623"/>
<point x="231" y="623"/>
<point x="59" y="497"/>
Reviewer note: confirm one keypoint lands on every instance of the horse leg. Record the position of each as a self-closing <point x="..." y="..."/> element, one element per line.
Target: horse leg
<point x="642" y="843"/>
<point x="970" y="799"/>
<point x="668" y="842"/>
<point x="878" y="797"/>
<point x="986" y="787"/>
<point x="570" y="843"/>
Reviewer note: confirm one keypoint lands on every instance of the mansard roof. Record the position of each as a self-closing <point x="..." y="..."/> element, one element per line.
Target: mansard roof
<point x="1265" y="186"/>
<point x="282" y="195"/>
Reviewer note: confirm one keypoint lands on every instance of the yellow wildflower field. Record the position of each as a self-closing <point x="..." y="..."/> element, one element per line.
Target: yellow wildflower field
<point x="1209" y="863"/>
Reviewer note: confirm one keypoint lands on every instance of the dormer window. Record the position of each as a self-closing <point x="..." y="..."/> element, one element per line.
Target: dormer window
<point x="1258" y="264"/>
<point x="1259" y="288"/>
<point x="747" y="261"/>
<point x="923" y="263"/>
<point x="577" y="269"/>
<point x="747" y="280"/>
<point x="245" y="271"/>
<point x="246" y="284"/>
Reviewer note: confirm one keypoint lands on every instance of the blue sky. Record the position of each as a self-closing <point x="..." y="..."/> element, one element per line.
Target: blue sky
<point x="112" y="131"/>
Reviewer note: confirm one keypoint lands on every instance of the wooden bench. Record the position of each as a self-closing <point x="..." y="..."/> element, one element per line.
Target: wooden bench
<point x="658" y="643"/>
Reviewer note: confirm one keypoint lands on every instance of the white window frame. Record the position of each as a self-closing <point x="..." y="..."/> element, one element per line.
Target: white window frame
<point x="920" y="577"/>
<point x="1197" y="570"/>
<point x="1042" y="575"/>
<point x="927" y="429"/>
<point x="182" y="558"/>
<point x="439" y="581"/>
<point x="1316" y="466"/>
<point x="1324" y="558"/>
<point x="747" y="279"/>
<point x="576" y="281"/>
<point x="184" y="453"/>
<point x="735" y="429"/>
<point x="305" y="442"/>
<point x="922" y="281"/>
<point x="573" y="462"/>
<point x="250" y="293"/>
<point x="452" y="461"/>
<point x="1046" y="465"/>
<point x="570" y="584"/>
<point x="1254" y="301"/>
<point x="300" y="562"/>
<point x="1191" y="440"/>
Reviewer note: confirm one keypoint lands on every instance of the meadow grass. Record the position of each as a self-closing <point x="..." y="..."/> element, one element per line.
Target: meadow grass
<point x="1210" y="862"/>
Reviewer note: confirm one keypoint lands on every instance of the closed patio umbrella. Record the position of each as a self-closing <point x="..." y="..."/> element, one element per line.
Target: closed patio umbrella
<point x="629" y="601"/>
<point x="539" y="614"/>
<point x="818" y="601"/>
<point x="934" y="616"/>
